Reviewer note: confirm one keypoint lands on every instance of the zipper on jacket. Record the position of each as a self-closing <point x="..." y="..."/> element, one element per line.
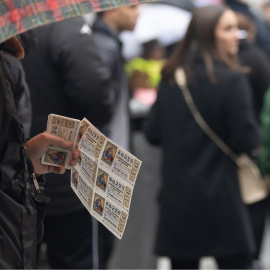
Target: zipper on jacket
<point x="36" y="184"/>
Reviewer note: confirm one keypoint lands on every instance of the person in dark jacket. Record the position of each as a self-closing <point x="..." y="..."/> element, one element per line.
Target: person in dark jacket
<point x="201" y="209"/>
<point x="254" y="57"/>
<point x="262" y="37"/>
<point x="264" y="156"/>
<point x="21" y="204"/>
<point x="106" y="29"/>
<point x="258" y="61"/>
<point x="66" y="76"/>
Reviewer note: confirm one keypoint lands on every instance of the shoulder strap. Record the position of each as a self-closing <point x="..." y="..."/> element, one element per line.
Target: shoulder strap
<point x="180" y="79"/>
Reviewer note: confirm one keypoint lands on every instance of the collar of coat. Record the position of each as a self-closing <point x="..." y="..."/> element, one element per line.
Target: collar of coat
<point x="13" y="47"/>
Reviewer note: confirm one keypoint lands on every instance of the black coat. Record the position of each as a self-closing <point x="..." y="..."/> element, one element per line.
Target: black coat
<point x="21" y="92"/>
<point x="109" y="45"/>
<point x="20" y="214"/>
<point x="66" y="76"/>
<point x="201" y="211"/>
<point x="259" y="63"/>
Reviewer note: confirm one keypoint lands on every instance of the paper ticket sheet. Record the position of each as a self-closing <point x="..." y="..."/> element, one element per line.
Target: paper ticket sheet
<point x="104" y="178"/>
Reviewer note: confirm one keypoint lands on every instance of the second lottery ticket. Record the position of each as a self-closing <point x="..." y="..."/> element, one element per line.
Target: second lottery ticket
<point x="66" y="128"/>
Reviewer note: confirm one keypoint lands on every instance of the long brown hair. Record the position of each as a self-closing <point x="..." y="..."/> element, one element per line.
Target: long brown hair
<point x="200" y="39"/>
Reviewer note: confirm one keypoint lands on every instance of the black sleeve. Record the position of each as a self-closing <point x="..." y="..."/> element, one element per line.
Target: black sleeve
<point x="86" y="78"/>
<point x="20" y="90"/>
<point x="240" y="118"/>
<point x="152" y="128"/>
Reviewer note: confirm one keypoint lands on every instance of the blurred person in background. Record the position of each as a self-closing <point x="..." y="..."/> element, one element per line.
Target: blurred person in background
<point x="254" y="57"/>
<point x="264" y="157"/>
<point x="201" y="208"/>
<point x="262" y="37"/>
<point x="67" y="77"/>
<point x="145" y="71"/>
<point x="257" y="60"/>
<point x="106" y="29"/>
<point x="265" y="7"/>
<point x="144" y="74"/>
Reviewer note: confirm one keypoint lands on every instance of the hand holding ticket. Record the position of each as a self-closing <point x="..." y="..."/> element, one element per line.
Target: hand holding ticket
<point x="66" y="128"/>
<point x="105" y="176"/>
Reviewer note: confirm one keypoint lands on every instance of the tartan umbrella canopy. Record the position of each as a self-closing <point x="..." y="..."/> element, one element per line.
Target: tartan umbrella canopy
<point x="18" y="16"/>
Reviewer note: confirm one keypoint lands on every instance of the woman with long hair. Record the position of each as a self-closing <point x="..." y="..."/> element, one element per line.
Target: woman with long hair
<point x="201" y="209"/>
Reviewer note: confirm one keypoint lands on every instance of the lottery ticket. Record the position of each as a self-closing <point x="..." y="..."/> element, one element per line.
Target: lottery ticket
<point x="120" y="162"/>
<point x="82" y="188"/>
<point x="108" y="173"/>
<point x="113" y="217"/>
<point x="114" y="188"/>
<point x="83" y="127"/>
<point x="99" y="204"/>
<point x="105" y="175"/>
<point x="87" y="167"/>
<point x="66" y="128"/>
<point x="92" y="140"/>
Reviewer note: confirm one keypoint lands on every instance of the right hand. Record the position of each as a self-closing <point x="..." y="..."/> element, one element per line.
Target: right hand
<point x="38" y="146"/>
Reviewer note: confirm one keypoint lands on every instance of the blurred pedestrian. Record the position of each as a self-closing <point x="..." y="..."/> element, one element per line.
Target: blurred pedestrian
<point x="262" y="38"/>
<point x="265" y="8"/>
<point x="254" y="57"/>
<point x="264" y="157"/>
<point x="144" y="71"/>
<point x="66" y="76"/>
<point x="144" y="74"/>
<point x="201" y="209"/>
<point x="21" y="203"/>
<point x="106" y="29"/>
<point x="257" y="60"/>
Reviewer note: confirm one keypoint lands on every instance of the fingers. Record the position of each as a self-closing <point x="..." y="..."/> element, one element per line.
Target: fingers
<point x="75" y="157"/>
<point x="58" y="142"/>
<point x="73" y="162"/>
<point x="44" y="139"/>
<point x="76" y="153"/>
<point x="57" y="170"/>
<point x="60" y="170"/>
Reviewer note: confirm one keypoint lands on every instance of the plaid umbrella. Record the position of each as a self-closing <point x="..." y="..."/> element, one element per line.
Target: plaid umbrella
<point x="17" y="16"/>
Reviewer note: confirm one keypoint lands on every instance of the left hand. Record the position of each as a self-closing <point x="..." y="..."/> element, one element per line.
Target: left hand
<point x="38" y="146"/>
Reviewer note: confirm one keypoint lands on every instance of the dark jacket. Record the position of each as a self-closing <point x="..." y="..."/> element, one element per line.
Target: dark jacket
<point x="20" y="90"/>
<point x="110" y="46"/>
<point x="66" y="77"/>
<point x="21" y="208"/>
<point x="201" y="210"/>
<point x="258" y="61"/>
<point x="264" y="156"/>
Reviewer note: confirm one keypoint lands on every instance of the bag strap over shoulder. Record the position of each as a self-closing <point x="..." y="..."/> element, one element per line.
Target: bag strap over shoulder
<point x="180" y="79"/>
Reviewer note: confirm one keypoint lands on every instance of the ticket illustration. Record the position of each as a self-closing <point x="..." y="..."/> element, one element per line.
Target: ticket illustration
<point x="114" y="188"/>
<point x="121" y="162"/>
<point x="113" y="217"/>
